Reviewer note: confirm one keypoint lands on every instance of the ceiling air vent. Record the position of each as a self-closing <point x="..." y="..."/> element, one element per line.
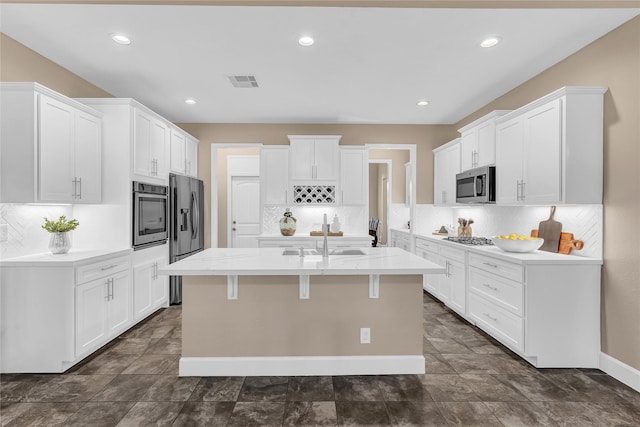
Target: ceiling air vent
<point x="243" y="81"/>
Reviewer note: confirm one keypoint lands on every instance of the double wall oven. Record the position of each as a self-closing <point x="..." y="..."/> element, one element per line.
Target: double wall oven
<point x="150" y="215"/>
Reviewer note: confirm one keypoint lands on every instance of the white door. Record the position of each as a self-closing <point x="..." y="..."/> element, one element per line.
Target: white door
<point x="245" y="211"/>
<point x="119" y="307"/>
<point x="142" y="277"/>
<point x="509" y="152"/>
<point x="91" y="315"/>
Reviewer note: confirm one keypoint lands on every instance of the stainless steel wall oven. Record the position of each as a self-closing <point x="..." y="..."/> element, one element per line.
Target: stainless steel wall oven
<point x="150" y="215"/>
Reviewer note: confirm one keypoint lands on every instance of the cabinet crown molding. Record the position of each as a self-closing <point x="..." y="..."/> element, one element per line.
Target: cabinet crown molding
<point x="559" y="93"/>
<point x="446" y="145"/>
<point x="329" y="137"/>
<point x="492" y="115"/>
<point x="37" y="87"/>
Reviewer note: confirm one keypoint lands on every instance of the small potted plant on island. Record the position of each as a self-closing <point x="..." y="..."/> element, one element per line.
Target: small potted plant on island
<point x="60" y="243"/>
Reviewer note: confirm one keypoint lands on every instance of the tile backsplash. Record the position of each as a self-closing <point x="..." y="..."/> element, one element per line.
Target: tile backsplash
<point x="584" y="221"/>
<point x="353" y="219"/>
<point x="24" y="223"/>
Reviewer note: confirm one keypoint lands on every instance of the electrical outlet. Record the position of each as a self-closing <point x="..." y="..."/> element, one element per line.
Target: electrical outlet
<point x="365" y="336"/>
<point x="4" y="232"/>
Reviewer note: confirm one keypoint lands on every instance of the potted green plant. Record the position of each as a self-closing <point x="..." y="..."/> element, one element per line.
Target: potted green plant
<point x="60" y="243"/>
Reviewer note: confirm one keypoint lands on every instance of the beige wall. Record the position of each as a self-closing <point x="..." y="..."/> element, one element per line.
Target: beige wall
<point x="398" y="159"/>
<point x="612" y="61"/>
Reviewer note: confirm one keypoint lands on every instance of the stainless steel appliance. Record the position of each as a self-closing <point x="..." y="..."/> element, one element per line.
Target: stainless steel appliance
<point x="150" y="211"/>
<point x="476" y="185"/>
<point x="186" y="207"/>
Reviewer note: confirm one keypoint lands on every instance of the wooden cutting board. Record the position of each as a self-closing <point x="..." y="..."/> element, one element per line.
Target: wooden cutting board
<point x="567" y="242"/>
<point x="331" y="233"/>
<point x="550" y="231"/>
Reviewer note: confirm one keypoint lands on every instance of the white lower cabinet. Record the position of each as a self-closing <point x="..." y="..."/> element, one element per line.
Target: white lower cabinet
<point x="151" y="290"/>
<point x="400" y="239"/>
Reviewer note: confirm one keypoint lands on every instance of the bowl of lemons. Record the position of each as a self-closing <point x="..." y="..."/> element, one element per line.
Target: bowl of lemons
<point x="517" y="242"/>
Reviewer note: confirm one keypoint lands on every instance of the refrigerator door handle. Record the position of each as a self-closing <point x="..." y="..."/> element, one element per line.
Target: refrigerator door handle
<point x="184" y="226"/>
<point x="195" y="211"/>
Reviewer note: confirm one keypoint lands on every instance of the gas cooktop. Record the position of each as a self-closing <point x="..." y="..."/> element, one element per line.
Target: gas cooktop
<point x="478" y="241"/>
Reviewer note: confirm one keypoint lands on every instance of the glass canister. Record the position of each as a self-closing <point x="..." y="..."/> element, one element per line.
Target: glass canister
<point x="59" y="243"/>
<point x="288" y="224"/>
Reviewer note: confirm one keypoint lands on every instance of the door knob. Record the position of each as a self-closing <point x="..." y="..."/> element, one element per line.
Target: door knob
<point x="233" y="229"/>
<point x="234" y="222"/>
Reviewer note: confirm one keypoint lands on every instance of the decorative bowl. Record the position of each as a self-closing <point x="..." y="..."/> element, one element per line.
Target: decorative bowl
<point x="509" y="245"/>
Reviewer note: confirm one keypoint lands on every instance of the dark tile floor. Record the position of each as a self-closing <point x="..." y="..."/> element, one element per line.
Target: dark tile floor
<point x="471" y="380"/>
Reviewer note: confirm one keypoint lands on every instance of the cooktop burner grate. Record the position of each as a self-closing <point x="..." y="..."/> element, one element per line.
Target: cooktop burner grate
<point x="479" y="241"/>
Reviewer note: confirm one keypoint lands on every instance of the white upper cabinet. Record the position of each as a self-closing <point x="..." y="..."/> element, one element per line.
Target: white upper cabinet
<point x="313" y="158"/>
<point x="151" y="146"/>
<point x="478" y="141"/>
<point x="184" y="153"/>
<point x="446" y="164"/>
<point x="550" y="151"/>
<point x="51" y="147"/>
<point x="354" y="176"/>
<point x="274" y="175"/>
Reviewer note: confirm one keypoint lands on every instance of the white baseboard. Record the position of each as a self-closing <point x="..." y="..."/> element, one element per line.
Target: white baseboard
<point x="620" y="371"/>
<point x="301" y="365"/>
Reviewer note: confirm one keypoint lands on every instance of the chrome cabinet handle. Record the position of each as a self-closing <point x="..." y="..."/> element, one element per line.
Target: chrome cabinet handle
<point x="490" y="265"/>
<point x="80" y="185"/>
<point x="522" y="186"/>
<point x="111" y="287"/>
<point x="490" y="287"/>
<point x="518" y="190"/>
<point x="109" y="267"/>
<point x="444" y="196"/>
<point x="495" y="319"/>
<point x="446" y="271"/>
<point x="108" y="292"/>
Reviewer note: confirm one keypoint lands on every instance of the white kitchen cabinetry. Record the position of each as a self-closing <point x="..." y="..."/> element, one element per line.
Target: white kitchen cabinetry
<point x="544" y="148"/>
<point x="274" y="175"/>
<point x="354" y="176"/>
<point x="478" y="141"/>
<point x="400" y="239"/>
<point x="313" y="158"/>
<point x="446" y="164"/>
<point x="453" y="286"/>
<point x="150" y="290"/>
<point x="428" y="250"/>
<point x="104" y="304"/>
<point x="151" y="146"/>
<point x="184" y="153"/>
<point x="55" y="310"/>
<point x="51" y="147"/>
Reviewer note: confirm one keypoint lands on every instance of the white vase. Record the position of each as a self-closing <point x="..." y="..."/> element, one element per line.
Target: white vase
<point x="59" y="243"/>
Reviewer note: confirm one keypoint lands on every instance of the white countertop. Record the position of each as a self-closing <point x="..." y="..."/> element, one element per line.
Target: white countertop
<point x="270" y="261"/>
<point x="535" y="257"/>
<point x="302" y="236"/>
<point x="72" y="258"/>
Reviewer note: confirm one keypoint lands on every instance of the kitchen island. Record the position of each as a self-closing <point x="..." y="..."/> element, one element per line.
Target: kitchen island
<point x="259" y="312"/>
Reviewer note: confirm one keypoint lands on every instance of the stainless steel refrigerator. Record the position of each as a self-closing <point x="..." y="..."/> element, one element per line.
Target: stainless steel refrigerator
<point x="186" y="216"/>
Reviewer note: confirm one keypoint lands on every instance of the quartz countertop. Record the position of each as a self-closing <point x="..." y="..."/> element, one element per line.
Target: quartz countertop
<point x="270" y="261"/>
<point x="72" y="258"/>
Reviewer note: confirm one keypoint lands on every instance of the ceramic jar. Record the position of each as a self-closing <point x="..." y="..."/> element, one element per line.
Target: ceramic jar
<point x="288" y="224"/>
<point x="335" y="224"/>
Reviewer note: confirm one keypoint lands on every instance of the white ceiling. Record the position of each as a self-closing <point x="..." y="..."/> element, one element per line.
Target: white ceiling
<point x="368" y="65"/>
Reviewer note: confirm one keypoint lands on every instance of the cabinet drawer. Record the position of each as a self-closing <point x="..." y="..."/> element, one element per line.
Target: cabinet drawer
<point x="507" y="269"/>
<point x="94" y="271"/>
<point x="501" y="324"/>
<point x="426" y="245"/>
<point x="452" y="254"/>
<point x="504" y="292"/>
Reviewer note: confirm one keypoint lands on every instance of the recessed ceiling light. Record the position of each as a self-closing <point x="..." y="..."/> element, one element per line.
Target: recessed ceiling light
<point x="422" y="103"/>
<point x="306" y="41"/>
<point x="120" y="38"/>
<point x="490" y="41"/>
<point x="190" y="101"/>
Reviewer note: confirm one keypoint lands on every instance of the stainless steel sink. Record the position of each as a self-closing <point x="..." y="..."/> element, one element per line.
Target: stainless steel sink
<point x="319" y="252"/>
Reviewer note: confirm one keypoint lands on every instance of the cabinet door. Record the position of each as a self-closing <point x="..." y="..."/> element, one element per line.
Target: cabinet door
<point x="120" y="314"/>
<point x="91" y="315"/>
<point x="469" y="145"/>
<point x="353" y="176"/>
<point x="142" y="163"/>
<point x="326" y="160"/>
<point x="142" y="276"/>
<point x="159" y="148"/>
<point x="486" y="144"/>
<point x="274" y="175"/>
<point x="542" y="154"/>
<point x="178" y="151"/>
<point x="55" y="150"/>
<point x="302" y="165"/>
<point x="458" y="288"/>
<point x="159" y="285"/>
<point x="430" y="281"/>
<point x="191" y="154"/>
<point x="88" y="158"/>
<point x="509" y="152"/>
<point x="446" y="166"/>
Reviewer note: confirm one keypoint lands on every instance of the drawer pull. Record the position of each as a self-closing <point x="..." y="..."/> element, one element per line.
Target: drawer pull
<point x="493" y="288"/>
<point x="490" y="265"/>
<point x="109" y="267"/>
<point x="495" y="319"/>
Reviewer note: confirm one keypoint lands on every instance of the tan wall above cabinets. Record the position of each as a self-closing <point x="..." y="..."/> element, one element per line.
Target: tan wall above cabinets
<point x="612" y="61"/>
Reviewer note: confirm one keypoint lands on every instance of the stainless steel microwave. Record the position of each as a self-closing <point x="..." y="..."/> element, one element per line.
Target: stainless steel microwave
<point x="476" y="185"/>
<point x="150" y="215"/>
